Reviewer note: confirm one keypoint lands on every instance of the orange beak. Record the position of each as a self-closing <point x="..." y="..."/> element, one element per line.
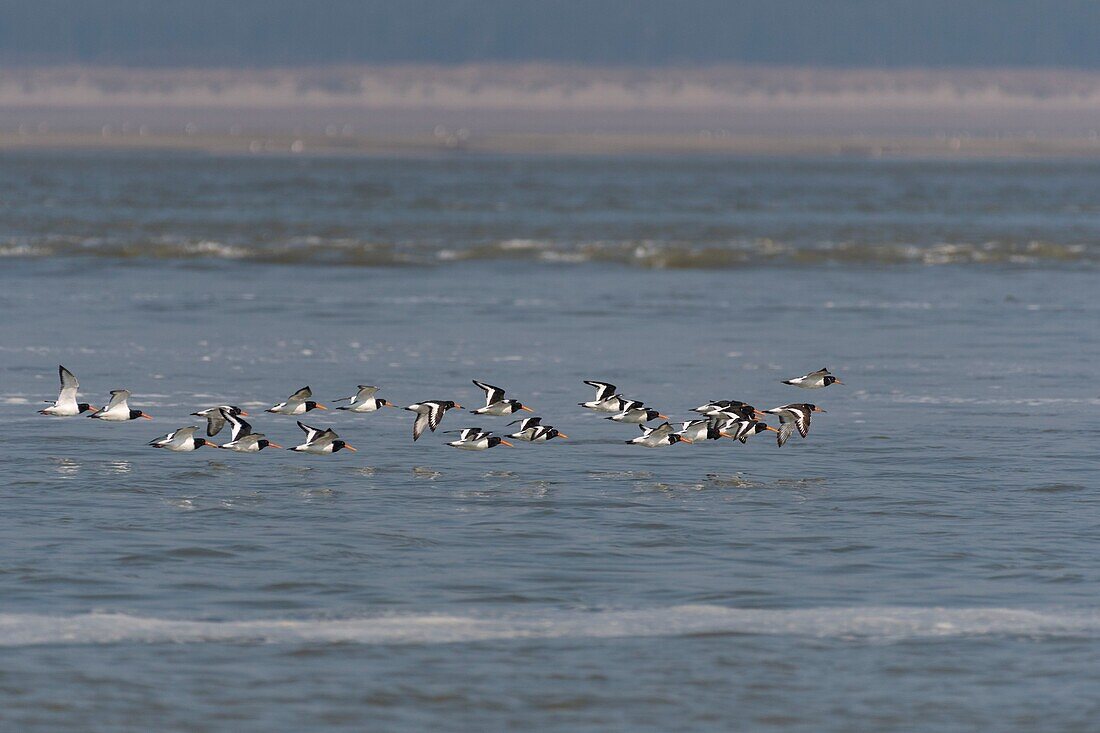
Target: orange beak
<point x="351" y="448"/>
<point x="562" y="435"/>
<point x="321" y="407"/>
<point x="663" y="417"/>
<point x="525" y="407"/>
<point x="685" y="440"/>
<point x="769" y="427"/>
<point x="505" y="442"/>
<point x="393" y="406"/>
<point x="759" y="414"/>
<point x="210" y="445"/>
<point x="727" y="435"/>
<point x="818" y="409"/>
<point x="145" y="417"/>
<point x="243" y="413"/>
<point x="273" y="445"/>
<point x="838" y="382"/>
<point x="458" y="405"/>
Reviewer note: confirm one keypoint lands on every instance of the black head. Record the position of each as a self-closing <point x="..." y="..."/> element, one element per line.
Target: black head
<point x="338" y="445"/>
<point x="759" y="427"/>
<point x="135" y="414"/>
<point x="674" y="438"/>
<point x="829" y="379"/>
<point x="447" y="404"/>
<point x="713" y="433"/>
<point x="382" y="402"/>
<point x="83" y="407"/>
<point x="200" y="442"/>
<point x="310" y="405"/>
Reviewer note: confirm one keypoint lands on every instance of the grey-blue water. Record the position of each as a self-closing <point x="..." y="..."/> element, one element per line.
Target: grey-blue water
<point x="926" y="559"/>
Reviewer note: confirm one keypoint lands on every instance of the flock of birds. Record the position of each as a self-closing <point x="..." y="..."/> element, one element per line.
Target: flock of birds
<point x="719" y="419"/>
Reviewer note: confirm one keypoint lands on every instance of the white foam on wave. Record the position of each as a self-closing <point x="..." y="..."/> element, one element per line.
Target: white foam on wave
<point x="851" y="623"/>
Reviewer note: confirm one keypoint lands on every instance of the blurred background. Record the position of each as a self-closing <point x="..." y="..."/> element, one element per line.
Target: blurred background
<point x="853" y="78"/>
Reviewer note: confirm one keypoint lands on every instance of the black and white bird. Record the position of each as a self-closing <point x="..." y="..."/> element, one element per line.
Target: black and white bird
<point x="298" y="403"/>
<point x="495" y="404"/>
<point x="181" y="440"/>
<point x="118" y="409"/>
<point x="364" y="400"/>
<point x="793" y="416"/>
<point x="321" y="442"/>
<point x="702" y="429"/>
<point x="658" y="437"/>
<point x="637" y="415"/>
<point x="607" y="400"/>
<point x="429" y="414"/>
<point x="726" y="409"/>
<point x="532" y="430"/>
<point x="243" y="440"/>
<point x="66" y="405"/>
<point x="742" y="429"/>
<point x="477" y="439"/>
<point x="215" y="417"/>
<point x="814" y="380"/>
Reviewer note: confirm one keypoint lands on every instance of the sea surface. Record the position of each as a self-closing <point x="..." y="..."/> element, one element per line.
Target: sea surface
<point x="926" y="559"/>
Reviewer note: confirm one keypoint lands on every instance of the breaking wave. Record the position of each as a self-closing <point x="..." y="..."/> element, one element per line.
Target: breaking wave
<point x="650" y="254"/>
<point x="888" y="624"/>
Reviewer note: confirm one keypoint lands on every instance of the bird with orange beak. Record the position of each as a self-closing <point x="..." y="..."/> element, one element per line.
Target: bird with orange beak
<point x="495" y="404"/>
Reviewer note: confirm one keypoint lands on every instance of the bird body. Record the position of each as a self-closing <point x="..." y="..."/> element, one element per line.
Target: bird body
<point x="495" y="404"/>
<point x="181" y="440"/>
<point x="118" y="409"/>
<point x="477" y="439"/>
<point x="637" y="415"/>
<point x="814" y="380"/>
<point x="321" y="442"/>
<point x="660" y="436"/>
<point x="298" y="403"/>
<point x="364" y="400"/>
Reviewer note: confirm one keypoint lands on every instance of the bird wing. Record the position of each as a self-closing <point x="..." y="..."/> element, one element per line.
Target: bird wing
<point x="241" y="428"/>
<point x="365" y="392"/>
<point x="301" y="395"/>
<point x="422" y="421"/>
<point x="69" y="386"/>
<point x="249" y="440"/>
<point x="118" y="397"/>
<point x="435" y="415"/>
<point x="311" y="433"/>
<point x="184" y="433"/>
<point x="784" y="434"/>
<point x="660" y="431"/>
<point x="215" y="421"/>
<point x="492" y="394"/>
<point x="324" y="438"/>
<point x="820" y="372"/>
<point x="603" y="389"/>
<point x="526" y="422"/>
<point x="626" y="405"/>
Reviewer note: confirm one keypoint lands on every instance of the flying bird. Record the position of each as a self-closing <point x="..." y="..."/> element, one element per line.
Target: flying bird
<point x="429" y="414"/>
<point x="607" y="400"/>
<point x="215" y="417"/>
<point x="66" y="405"/>
<point x="181" y="440"/>
<point x="532" y="430"/>
<point x="321" y="442"/>
<point x="298" y="403"/>
<point x="477" y="439"/>
<point x="797" y="415"/>
<point x="659" y="436"/>
<point x="364" y="400"/>
<point x="118" y="409"/>
<point x="495" y="404"/>
<point x="636" y="415"/>
<point x="814" y="380"/>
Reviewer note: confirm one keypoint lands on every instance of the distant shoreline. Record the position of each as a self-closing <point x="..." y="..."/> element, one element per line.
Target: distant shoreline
<point x="579" y="144"/>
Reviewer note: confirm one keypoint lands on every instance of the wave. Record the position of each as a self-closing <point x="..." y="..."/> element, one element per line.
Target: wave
<point x="890" y="624"/>
<point x="650" y="254"/>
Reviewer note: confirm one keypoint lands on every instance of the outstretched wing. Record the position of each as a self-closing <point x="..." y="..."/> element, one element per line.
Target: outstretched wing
<point x="603" y="389"/>
<point x="492" y="394"/>
<point x="215" y="421"/>
<point x="241" y="428"/>
<point x="69" y="387"/>
<point x="118" y="397"/>
<point x="311" y="433"/>
<point x="662" y="430"/>
<point x="435" y="415"/>
<point x="786" y="430"/>
<point x="301" y="395"/>
<point x="422" y="420"/>
<point x="365" y="392"/>
<point x="528" y="422"/>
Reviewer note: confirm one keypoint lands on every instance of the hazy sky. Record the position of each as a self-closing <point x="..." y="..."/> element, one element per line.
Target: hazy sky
<point x="631" y="32"/>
